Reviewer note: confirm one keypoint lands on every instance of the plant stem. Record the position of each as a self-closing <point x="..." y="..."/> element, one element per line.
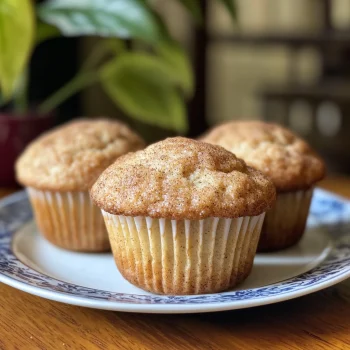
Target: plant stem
<point x="84" y="78"/>
<point x="20" y="100"/>
<point x="101" y="50"/>
<point x="79" y="82"/>
<point x="95" y="57"/>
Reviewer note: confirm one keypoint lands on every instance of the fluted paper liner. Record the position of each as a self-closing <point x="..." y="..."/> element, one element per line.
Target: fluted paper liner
<point x="184" y="257"/>
<point x="285" y="223"/>
<point x="69" y="220"/>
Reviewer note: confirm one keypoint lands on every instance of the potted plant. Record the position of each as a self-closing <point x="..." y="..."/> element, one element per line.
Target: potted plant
<point x="18" y="123"/>
<point x="149" y="78"/>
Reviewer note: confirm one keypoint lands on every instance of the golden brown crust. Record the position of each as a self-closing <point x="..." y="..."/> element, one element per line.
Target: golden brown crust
<point x="71" y="157"/>
<point x="179" y="178"/>
<point x="287" y="159"/>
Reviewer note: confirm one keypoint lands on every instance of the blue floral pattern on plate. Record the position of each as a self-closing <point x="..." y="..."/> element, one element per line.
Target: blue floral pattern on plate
<point x="329" y="210"/>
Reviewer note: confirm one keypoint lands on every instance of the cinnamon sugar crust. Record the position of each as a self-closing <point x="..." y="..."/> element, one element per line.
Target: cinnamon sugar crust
<point x="287" y="159"/>
<point x="71" y="157"/>
<point x="180" y="178"/>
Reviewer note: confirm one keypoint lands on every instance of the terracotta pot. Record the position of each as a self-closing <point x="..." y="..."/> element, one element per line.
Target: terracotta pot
<point x="15" y="133"/>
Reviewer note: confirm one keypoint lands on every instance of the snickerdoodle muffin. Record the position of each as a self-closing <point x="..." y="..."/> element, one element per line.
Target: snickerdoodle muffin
<point x="58" y="170"/>
<point x="183" y="216"/>
<point x="291" y="164"/>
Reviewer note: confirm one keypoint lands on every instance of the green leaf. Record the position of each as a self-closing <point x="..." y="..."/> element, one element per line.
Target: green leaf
<point x="120" y="18"/>
<point x="194" y="8"/>
<point x="140" y="85"/>
<point x="45" y="31"/>
<point x="231" y="7"/>
<point x="179" y="65"/>
<point x="16" y="42"/>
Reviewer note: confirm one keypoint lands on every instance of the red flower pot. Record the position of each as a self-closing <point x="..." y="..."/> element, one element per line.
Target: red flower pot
<point x="15" y="133"/>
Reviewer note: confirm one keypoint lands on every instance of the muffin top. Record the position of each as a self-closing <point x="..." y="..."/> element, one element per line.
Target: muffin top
<point x="287" y="159"/>
<point x="71" y="157"/>
<point x="179" y="178"/>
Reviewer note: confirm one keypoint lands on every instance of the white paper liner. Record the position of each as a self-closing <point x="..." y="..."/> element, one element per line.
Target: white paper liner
<point x="184" y="257"/>
<point x="285" y="223"/>
<point x="69" y="220"/>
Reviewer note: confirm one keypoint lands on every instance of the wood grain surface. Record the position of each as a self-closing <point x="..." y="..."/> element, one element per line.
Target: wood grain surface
<point x="317" y="321"/>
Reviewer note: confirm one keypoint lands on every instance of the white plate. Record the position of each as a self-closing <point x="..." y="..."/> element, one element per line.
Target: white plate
<point x="31" y="264"/>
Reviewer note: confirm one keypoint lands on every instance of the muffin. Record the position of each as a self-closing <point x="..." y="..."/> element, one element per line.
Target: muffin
<point x="289" y="162"/>
<point x="58" y="170"/>
<point x="183" y="216"/>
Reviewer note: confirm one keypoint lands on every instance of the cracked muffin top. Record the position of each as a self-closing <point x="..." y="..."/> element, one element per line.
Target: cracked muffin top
<point x="180" y="178"/>
<point x="287" y="159"/>
<point x="71" y="157"/>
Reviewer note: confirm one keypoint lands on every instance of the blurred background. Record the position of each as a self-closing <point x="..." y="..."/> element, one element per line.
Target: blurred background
<point x="278" y="60"/>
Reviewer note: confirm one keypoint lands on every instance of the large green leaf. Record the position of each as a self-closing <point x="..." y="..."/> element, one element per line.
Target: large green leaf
<point x="231" y="7"/>
<point x="140" y="85"/>
<point x="194" y="7"/>
<point x="120" y="18"/>
<point x="180" y="68"/>
<point x="16" y="41"/>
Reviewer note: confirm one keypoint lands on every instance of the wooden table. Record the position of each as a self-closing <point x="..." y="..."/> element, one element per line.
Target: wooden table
<point x="317" y="321"/>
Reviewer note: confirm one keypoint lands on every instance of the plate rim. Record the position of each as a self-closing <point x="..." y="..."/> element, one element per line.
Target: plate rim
<point x="164" y="307"/>
<point x="168" y="308"/>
